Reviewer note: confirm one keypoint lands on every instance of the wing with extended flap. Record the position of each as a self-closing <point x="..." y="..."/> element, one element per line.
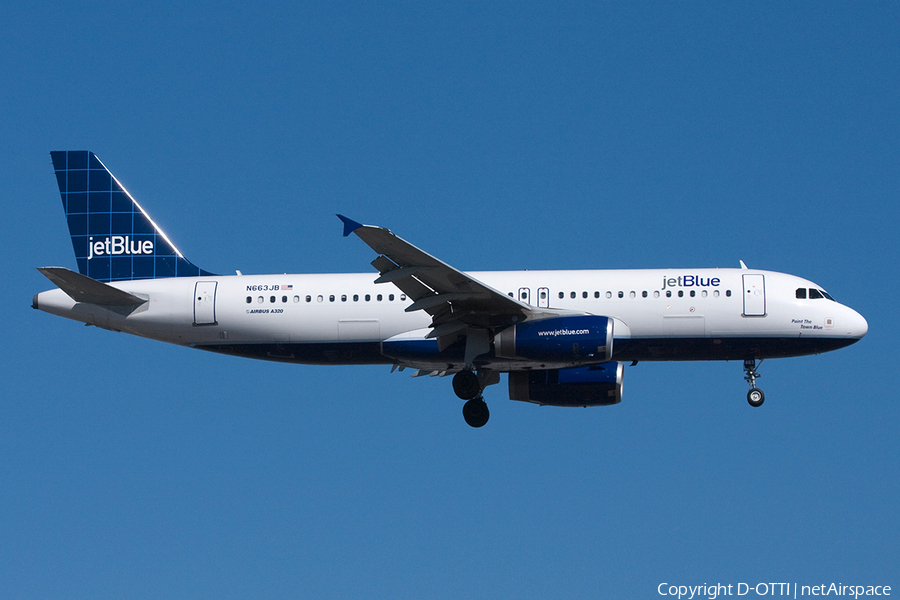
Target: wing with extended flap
<point x="459" y="305"/>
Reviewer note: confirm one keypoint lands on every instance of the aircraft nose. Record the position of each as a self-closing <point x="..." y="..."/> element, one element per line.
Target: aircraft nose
<point x="856" y="325"/>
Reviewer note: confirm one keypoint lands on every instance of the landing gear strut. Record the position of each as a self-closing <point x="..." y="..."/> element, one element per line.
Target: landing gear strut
<point x="755" y="396"/>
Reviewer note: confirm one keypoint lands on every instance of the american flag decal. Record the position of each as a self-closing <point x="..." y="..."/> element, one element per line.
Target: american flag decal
<point x="287" y="287"/>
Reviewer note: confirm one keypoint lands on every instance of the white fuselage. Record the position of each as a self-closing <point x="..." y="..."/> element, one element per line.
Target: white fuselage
<point x="664" y="314"/>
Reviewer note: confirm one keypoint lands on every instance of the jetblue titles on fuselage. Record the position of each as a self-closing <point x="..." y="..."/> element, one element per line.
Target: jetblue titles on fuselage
<point x="690" y="281"/>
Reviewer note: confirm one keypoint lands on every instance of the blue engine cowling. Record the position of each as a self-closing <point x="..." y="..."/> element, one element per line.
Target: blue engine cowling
<point x="558" y="339"/>
<point x="596" y="385"/>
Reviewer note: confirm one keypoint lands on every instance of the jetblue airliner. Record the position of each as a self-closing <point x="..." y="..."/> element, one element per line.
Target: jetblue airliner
<point x="563" y="337"/>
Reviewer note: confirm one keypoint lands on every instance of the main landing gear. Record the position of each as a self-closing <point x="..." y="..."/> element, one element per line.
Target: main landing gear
<point x="467" y="385"/>
<point x="755" y="396"/>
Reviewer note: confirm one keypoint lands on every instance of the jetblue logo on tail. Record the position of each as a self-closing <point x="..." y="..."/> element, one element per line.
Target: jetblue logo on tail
<point x="113" y="238"/>
<point x="117" y="245"/>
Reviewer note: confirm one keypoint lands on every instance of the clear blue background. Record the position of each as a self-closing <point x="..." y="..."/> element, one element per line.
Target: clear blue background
<point x="495" y="136"/>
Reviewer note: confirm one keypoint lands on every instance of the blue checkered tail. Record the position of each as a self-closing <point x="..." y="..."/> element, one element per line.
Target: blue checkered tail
<point x="113" y="237"/>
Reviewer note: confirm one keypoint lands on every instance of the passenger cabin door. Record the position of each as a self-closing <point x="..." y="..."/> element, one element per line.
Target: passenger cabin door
<point x="754" y="295"/>
<point x="205" y="303"/>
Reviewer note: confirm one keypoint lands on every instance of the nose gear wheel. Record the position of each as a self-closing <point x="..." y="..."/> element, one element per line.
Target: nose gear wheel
<point x="755" y="397"/>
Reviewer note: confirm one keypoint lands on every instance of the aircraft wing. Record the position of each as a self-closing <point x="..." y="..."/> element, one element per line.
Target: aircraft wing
<point x="457" y="303"/>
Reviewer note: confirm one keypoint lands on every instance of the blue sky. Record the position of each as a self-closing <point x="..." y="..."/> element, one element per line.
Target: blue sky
<point x="495" y="136"/>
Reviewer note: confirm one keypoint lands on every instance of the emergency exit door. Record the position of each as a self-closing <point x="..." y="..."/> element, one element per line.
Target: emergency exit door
<point x="205" y="303"/>
<point x="754" y="296"/>
<point x="525" y="295"/>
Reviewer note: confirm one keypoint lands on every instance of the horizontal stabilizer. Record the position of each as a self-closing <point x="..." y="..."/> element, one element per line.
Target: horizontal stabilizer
<point x="82" y="288"/>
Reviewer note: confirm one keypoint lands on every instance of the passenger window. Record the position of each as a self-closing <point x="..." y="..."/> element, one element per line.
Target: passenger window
<point x="693" y="293"/>
<point x="609" y="294"/>
<point x="728" y="293"/>
<point x="644" y="294"/>
<point x="296" y="299"/>
<point x="368" y="297"/>
<point x="343" y="297"/>
<point x="284" y="298"/>
<point x="510" y="294"/>
<point x="356" y="297"/>
<point x="668" y="293"/>
<point x="391" y="297"/>
<point x="681" y="293"/>
<point x="249" y="299"/>
<point x="621" y="294"/>
<point x="631" y="294"/>
<point x="596" y="294"/>
<point x="561" y="295"/>
<point x="331" y="298"/>
<point x="715" y="293"/>
<point x="260" y="299"/>
<point x="378" y="297"/>
<point x="309" y="298"/>
<point x="656" y="294"/>
<point x="272" y="299"/>
<point x="572" y="295"/>
<point x="801" y="293"/>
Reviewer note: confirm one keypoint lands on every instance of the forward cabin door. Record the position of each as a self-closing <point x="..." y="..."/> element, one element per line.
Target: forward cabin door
<point x="205" y="303"/>
<point x="754" y="295"/>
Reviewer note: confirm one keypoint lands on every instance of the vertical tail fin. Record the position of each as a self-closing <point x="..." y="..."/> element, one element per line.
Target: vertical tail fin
<point x="114" y="239"/>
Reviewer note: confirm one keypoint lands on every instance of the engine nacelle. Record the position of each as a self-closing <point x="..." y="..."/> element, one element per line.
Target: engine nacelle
<point x="596" y="385"/>
<point x="558" y="339"/>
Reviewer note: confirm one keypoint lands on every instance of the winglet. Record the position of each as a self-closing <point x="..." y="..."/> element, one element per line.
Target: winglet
<point x="349" y="225"/>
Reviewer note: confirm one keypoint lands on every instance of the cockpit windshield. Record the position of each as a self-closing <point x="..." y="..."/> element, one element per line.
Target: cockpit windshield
<point x="813" y="294"/>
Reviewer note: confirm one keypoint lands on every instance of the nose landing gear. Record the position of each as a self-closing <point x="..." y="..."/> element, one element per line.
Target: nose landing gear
<point x="755" y="397"/>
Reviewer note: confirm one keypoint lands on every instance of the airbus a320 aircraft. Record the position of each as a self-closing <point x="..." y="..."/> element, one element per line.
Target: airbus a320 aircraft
<point x="562" y="337"/>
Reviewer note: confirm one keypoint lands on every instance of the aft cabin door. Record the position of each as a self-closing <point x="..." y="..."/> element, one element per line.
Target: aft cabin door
<point x="754" y="296"/>
<point x="205" y="303"/>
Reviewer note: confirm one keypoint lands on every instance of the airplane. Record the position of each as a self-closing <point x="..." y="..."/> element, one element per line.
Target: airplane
<point x="562" y="337"/>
